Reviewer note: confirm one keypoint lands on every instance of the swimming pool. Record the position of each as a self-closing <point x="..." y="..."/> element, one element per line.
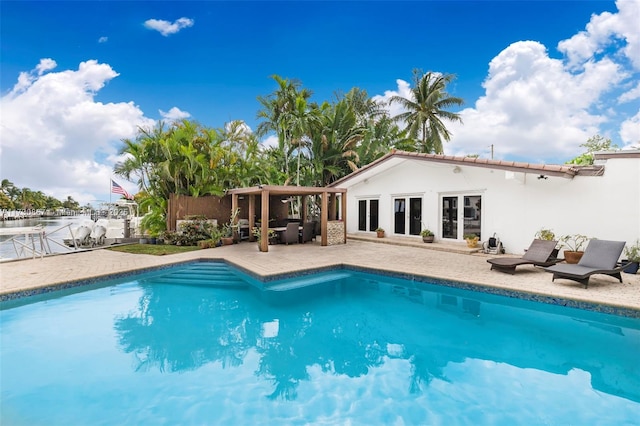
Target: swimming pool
<point x="176" y="346"/>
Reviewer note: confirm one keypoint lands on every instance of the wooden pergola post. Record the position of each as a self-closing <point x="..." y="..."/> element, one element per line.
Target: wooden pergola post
<point x="234" y="223"/>
<point x="328" y="210"/>
<point x="343" y="204"/>
<point x="252" y="215"/>
<point x="304" y="208"/>
<point x="264" y="225"/>
<point x="324" y="219"/>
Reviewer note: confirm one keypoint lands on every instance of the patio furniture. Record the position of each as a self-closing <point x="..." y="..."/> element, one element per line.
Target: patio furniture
<point x="539" y="253"/>
<point x="307" y="232"/>
<point x="243" y="229"/>
<point x="290" y="235"/>
<point x="600" y="257"/>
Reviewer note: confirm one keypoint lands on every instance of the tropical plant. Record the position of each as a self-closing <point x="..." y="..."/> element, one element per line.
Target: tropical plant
<point x="425" y="110"/>
<point x="192" y="230"/>
<point x="334" y="140"/>
<point x="228" y="229"/>
<point x="5" y="202"/>
<point x="632" y="251"/>
<point x="574" y="242"/>
<point x="594" y="144"/>
<point x="278" y="111"/>
<point x="257" y="234"/>
<point x="426" y="233"/>
<point x="545" y="234"/>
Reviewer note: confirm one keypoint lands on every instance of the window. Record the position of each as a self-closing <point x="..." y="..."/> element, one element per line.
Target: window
<point x="456" y="223"/>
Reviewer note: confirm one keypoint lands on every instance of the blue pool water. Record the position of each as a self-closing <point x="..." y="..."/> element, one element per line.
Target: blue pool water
<point x="180" y="347"/>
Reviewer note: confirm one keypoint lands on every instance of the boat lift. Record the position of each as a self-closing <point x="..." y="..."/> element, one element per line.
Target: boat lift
<point x="32" y="242"/>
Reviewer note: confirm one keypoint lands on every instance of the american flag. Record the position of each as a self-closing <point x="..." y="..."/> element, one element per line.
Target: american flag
<point x="117" y="189"/>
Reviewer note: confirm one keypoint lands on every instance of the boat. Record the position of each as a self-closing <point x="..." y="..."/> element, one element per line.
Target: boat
<point x="112" y="223"/>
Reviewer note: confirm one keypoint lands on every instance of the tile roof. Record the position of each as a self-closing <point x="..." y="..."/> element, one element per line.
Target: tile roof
<point x="565" y="171"/>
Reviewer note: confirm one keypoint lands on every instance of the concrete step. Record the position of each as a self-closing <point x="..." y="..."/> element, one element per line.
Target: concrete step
<point x="210" y="282"/>
<point x="306" y="282"/>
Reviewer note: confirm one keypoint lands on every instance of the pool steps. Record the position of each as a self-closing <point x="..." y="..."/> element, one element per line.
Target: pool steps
<point x="306" y="282"/>
<point x="212" y="275"/>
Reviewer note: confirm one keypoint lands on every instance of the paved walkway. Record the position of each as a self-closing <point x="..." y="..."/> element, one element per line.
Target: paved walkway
<point x="411" y="257"/>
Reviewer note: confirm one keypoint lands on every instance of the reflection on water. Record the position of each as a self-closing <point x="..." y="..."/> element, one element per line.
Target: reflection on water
<point x="360" y="324"/>
<point x="361" y="350"/>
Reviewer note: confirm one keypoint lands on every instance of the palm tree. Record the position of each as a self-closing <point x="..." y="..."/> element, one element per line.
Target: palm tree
<point x="276" y="113"/>
<point x="333" y="143"/>
<point x="380" y="137"/>
<point x="6" y="186"/>
<point x="426" y="109"/>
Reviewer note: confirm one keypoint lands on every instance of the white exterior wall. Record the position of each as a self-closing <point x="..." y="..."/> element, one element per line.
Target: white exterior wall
<point x="514" y="205"/>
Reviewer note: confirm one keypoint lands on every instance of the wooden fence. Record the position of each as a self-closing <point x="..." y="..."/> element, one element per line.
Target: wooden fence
<point x="218" y="208"/>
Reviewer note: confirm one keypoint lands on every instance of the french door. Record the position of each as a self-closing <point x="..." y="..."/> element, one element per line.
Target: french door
<point x="368" y="215"/>
<point x="461" y="215"/>
<point x="407" y="215"/>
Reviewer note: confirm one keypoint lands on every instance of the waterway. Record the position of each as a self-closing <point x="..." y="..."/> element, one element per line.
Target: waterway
<point x="55" y="228"/>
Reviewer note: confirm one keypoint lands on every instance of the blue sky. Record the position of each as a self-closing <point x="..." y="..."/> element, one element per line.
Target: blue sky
<point x="538" y="77"/>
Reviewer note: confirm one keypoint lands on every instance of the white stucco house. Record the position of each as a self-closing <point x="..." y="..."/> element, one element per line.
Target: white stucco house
<point x="405" y="192"/>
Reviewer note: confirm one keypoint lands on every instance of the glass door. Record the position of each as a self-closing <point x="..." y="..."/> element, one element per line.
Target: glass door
<point x="373" y="215"/>
<point x="415" y="216"/>
<point x="450" y="217"/>
<point x="399" y="212"/>
<point x="367" y="215"/>
<point x="412" y="216"/>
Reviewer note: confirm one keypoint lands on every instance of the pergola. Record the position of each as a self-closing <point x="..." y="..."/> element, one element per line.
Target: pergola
<point x="328" y="196"/>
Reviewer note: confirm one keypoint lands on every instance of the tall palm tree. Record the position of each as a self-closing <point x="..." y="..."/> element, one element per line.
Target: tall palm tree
<point x="333" y="143"/>
<point x="380" y="137"/>
<point x="277" y="111"/>
<point x="6" y="186"/>
<point x="426" y="109"/>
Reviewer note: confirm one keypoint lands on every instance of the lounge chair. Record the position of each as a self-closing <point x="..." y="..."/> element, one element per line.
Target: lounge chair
<point x="539" y="253"/>
<point x="600" y="257"/>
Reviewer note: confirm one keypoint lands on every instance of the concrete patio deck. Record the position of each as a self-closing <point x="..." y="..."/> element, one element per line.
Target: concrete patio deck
<point x="395" y="255"/>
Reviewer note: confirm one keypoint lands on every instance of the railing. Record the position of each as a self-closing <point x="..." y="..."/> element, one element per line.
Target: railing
<point x="32" y="242"/>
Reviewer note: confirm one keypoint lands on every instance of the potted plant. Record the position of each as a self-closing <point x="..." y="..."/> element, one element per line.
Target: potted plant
<point x="380" y="232"/>
<point x="226" y="234"/>
<point x="632" y="254"/>
<point x="545" y="234"/>
<point x="573" y="247"/>
<point x="427" y="235"/>
<point x="230" y="229"/>
<point x="472" y="240"/>
<point x="257" y="234"/>
<point x="548" y="235"/>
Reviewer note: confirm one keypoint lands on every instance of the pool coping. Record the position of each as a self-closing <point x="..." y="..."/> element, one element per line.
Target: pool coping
<point x="265" y="279"/>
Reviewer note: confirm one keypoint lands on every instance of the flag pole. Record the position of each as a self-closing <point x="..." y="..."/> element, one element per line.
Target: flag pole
<point x="110" y="185"/>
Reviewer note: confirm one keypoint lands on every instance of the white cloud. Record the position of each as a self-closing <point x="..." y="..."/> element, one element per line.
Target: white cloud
<point x="103" y="39"/>
<point x="56" y="138"/>
<point x="174" y="114"/>
<point x="630" y="131"/>
<point x="534" y="107"/>
<point x="167" y="28"/>
<point x="631" y="95"/>
<point x="270" y="141"/>
<point x="404" y="90"/>
<point x="540" y="109"/>
<point x="602" y="31"/>
<point x="45" y="65"/>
